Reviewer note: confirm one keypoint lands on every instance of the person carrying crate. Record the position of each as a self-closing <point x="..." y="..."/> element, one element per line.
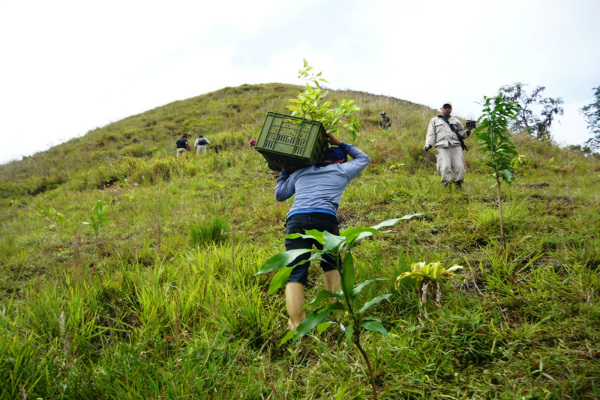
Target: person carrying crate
<point x="317" y="190"/>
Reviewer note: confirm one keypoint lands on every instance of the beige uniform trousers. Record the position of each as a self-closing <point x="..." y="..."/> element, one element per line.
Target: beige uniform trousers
<point x="451" y="163"/>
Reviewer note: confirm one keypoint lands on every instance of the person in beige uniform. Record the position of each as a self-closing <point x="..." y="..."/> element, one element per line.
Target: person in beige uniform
<point x="443" y="133"/>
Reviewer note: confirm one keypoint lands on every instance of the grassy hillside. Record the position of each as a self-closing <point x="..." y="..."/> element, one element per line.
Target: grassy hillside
<point x="162" y="300"/>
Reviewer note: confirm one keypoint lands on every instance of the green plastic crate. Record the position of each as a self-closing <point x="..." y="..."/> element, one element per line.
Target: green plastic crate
<point x="297" y="141"/>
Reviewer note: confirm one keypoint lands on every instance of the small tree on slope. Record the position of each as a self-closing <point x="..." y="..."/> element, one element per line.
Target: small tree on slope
<point x="494" y="142"/>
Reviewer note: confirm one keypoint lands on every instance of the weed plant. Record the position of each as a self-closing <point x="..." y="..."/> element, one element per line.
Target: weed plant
<point x="216" y="230"/>
<point x="147" y="313"/>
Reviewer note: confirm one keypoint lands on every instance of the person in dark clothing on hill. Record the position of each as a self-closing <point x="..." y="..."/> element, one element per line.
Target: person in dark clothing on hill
<point x="385" y="122"/>
<point x="200" y="144"/>
<point x="317" y="190"/>
<point x="182" y="146"/>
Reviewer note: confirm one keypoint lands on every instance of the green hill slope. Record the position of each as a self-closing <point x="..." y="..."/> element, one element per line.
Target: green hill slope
<point x="161" y="300"/>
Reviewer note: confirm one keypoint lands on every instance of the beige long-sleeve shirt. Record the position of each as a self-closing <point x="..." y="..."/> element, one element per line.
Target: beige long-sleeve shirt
<point x="439" y="133"/>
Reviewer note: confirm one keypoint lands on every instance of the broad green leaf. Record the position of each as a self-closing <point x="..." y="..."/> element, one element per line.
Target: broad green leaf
<point x="360" y="286"/>
<point x="287" y="337"/>
<point x="354" y="235"/>
<point x="372" y="302"/>
<point x="348" y="275"/>
<point x="341" y="391"/>
<point x="313" y="319"/>
<point x="507" y="175"/>
<point x="323" y="327"/>
<point x="279" y="279"/>
<point x="323" y="295"/>
<point x="375" y="327"/>
<point x="350" y="233"/>
<point x="336" y="305"/>
<point x="362" y="236"/>
<point x="314" y="234"/>
<point x="332" y="242"/>
<point x="281" y="260"/>
<point x="349" y="333"/>
<point x="371" y="318"/>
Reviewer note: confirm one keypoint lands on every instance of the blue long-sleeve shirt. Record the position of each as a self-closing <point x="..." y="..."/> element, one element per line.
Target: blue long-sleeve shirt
<point x="319" y="189"/>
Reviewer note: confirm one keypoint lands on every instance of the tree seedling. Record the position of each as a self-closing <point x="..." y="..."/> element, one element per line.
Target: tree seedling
<point x="99" y="217"/>
<point x="347" y="299"/>
<point x="312" y="104"/>
<point x="495" y="142"/>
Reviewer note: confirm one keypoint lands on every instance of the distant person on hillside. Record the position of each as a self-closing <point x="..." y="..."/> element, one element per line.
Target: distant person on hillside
<point x="252" y="143"/>
<point x="182" y="146"/>
<point x="318" y="190"/>
<point x="200" y="144"/>
<point x="446" y="133"/>
<point x="385" y="122"/>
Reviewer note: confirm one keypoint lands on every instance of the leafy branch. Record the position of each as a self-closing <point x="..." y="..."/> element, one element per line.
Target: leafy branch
<point x="312" y="104"/>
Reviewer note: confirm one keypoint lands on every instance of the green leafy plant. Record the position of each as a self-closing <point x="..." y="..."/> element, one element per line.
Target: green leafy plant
<point x="495" y="142"/>
<point x="214" y="231"/>
<point x="50" y="216"/>
<point x="519" y="164"/>
<point x="312" y="104"/>
<point x="347" y="299"/>
<point x="396" y="167"/>
<point x="99" y="217"/>
<point x="429" y="276"/>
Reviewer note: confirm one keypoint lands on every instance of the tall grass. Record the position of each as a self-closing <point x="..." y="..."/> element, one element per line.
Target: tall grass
<point x="215" y="230"/>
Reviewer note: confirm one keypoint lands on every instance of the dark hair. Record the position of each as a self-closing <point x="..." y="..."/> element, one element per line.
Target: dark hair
<point x="334" y="154"/>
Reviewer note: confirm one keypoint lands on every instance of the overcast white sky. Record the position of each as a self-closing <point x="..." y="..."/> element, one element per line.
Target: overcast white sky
<point x="68" y="67"/>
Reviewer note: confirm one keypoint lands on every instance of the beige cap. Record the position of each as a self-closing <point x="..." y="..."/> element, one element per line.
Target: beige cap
<point x="447" y="102"/>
